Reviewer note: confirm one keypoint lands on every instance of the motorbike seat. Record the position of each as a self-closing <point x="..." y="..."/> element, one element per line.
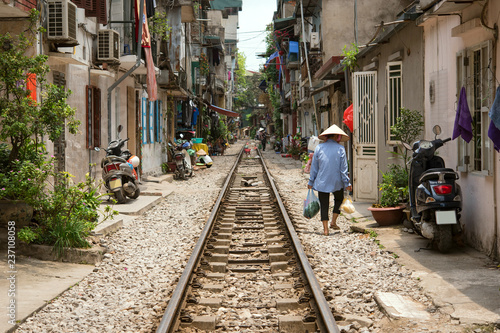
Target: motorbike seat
<point x="432" y="174"/>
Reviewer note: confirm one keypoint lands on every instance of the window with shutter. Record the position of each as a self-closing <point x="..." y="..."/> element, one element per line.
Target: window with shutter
<point x="473" y="73"/>
<point x="151" y="121"/>
<point x="394" y="96"/>
<point x="97" y="117"/>
<point x="144" y="109"/>
<point x="93" y="117"/>
<point x="91" y="8"/>
<point x="160" y="119"/>
<point x="102" y="15"/>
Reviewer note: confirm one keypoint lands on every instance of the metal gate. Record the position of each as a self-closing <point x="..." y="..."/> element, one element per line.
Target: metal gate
<point x="365" y="136"/>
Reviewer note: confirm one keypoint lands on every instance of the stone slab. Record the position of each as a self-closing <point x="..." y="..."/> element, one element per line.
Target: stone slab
<point x="398" y="307"/>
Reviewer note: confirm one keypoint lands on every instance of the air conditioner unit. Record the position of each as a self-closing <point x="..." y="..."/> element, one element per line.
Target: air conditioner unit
<point x="108" y="45"/>
<point x="315" y="41"/>
<point x="61" y="22"/>
<point x="163" y="78"/>
<point x="297" y="29"/>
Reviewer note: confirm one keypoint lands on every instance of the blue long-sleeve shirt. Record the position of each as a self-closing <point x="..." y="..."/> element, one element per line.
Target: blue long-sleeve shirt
<point x="329" y="172"/>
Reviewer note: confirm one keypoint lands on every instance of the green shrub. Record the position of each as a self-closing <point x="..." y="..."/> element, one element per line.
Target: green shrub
<point x="68" y="213"/>
<point x="394" y="186"/>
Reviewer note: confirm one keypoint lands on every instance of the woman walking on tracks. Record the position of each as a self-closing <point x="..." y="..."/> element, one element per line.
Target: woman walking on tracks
<point x="329" y="173"/>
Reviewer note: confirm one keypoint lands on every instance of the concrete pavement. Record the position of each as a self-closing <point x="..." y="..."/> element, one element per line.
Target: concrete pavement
<point x="464" y="283"/>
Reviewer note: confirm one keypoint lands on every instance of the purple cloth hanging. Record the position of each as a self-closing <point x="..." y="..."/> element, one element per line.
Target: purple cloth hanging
<point x="494" y="135"/>
<point x="494" y="129"/>
<point x="463" y="119"/>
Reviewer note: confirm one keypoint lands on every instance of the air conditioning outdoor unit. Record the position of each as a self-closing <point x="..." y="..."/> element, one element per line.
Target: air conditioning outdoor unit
<point x="61" y="22"/>
<point x="108" y="45"/>
<point x="314" y="40"/>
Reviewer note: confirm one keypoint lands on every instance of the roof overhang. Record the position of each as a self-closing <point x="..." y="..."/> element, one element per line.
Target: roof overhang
<point x="445" y="6"/>
<point x="325" y="71"/>
<point x="308" y="7"/>
<point x="129" y="61"/>
<point x="283" y="23"/>
<point x="223" y="111"/>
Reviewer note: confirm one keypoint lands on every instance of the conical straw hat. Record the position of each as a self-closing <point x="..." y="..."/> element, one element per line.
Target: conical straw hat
<point x="334" y="129"/>
<point x="201" y="152"/>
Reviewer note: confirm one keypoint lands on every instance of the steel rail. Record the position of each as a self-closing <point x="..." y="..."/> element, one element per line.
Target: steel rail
<point x="169" y="318"/>
<point x="323" y="308"/>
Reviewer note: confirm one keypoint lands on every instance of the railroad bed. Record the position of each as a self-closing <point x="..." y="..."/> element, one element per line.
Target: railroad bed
<point x="248" y="272"/>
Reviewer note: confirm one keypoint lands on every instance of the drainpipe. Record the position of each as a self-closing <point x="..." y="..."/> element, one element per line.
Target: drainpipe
<point x="318" y="128"/>
<point x="124" y="76"/>
<point x="494" y="248"/>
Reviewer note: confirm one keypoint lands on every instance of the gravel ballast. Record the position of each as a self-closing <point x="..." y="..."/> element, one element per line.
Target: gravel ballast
<point x="128" y="291"/>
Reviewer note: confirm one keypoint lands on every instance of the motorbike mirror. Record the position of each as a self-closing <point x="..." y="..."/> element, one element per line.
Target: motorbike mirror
<point x="407" y="146"/>
<point x="436" y="130"/>
<point x="120" y="128"/>
<point x="97" y="149"/>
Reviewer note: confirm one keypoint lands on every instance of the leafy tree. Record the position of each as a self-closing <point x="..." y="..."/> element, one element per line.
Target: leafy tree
<point x="23" y="121"/>
<point x="407" y="129"/>
<point x="246" y="86"/>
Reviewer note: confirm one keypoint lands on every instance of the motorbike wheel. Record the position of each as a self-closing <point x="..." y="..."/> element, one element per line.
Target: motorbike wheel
<point x="136" y="194"/>
<point x="182" y="174"/>
<point x="120" y="197"/>
<point x="445" y="238"/>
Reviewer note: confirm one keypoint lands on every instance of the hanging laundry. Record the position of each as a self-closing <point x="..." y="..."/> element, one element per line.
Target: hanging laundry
<point x="215" y="57"/>
<point x="494" y="129"/>
<point x="274" y="55"/>
<point x="463" y="119"/>
<point x="494" y="135"/>
<point x="495" y="109"/>
<point x="150" y="8"/>
<point x="195" y="116"/>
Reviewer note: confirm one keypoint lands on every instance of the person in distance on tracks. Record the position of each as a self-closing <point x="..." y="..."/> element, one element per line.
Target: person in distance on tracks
<point x="329" y="173"/>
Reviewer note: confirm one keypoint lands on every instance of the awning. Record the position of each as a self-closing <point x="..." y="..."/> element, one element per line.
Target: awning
<point x="283" y="23"/>
<point x="325" y="71"/>
<point x="223" y="111"/>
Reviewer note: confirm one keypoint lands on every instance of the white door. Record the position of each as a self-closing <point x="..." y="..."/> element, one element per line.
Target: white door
<point x="364" y="137"/>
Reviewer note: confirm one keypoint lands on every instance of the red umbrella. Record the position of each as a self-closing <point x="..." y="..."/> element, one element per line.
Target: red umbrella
<point x="348" y="117"/>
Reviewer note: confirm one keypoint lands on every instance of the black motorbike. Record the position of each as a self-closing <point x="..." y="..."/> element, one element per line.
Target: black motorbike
<point x="435" y="196"/>
<point x="118" y="173"/>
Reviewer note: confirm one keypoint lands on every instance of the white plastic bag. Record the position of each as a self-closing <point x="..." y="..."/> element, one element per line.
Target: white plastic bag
<point x="347" y="206"/>
<point x="311" y="205"/>
<point x="312" y="143"/>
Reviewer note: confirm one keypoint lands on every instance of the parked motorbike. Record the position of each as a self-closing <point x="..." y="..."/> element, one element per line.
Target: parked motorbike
<point x="435" y="197"/>
<point x="183" y="166"/>
<point x="277" y="146"/>
<point x="118" y="171"/>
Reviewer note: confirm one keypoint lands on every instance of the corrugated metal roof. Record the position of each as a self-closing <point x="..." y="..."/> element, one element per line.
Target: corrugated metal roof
<point x="222" y="4"/>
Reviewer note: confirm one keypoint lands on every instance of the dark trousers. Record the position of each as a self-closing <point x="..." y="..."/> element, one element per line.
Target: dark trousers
<point x="263" y="144"/>
<point x="324" y="203"/>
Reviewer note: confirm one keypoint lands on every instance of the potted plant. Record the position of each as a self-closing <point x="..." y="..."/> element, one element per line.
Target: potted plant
<point x="394" y="192"/>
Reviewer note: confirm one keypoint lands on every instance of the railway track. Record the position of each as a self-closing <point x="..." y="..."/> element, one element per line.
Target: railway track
<point x="248" y="271"/>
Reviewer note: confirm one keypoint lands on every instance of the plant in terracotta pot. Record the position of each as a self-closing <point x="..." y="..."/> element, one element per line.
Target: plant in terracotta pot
<point x="394" y="191"/>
